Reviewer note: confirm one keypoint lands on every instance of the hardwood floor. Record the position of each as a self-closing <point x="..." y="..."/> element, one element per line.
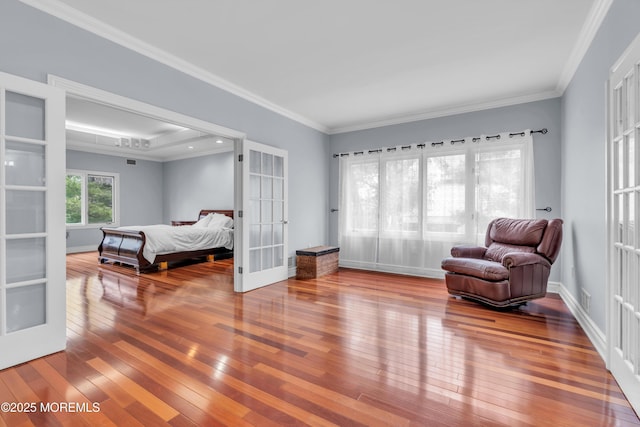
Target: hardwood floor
<point x="179" y="348"/>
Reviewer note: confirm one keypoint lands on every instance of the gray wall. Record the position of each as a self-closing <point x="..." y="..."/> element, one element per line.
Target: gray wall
<point x="534" y="116"/>
<point x="583" y="159"/>
<point x="34" y="44"/>
<point x="198" y="183"/>
<point x="141" y="185"/>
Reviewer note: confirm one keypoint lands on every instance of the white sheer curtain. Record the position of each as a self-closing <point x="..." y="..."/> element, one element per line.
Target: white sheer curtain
<point x="402" y="208"/>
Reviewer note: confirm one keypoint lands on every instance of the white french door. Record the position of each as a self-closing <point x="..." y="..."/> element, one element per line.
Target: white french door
<point x="261" y="216"/>
<point x="623" y="340"/>
<point x="32" y="220"/>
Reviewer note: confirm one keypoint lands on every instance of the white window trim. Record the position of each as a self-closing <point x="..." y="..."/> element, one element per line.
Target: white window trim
<point x="116" y="199"/>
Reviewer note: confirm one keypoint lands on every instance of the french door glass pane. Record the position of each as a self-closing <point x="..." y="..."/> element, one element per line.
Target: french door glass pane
<point x="267" y="258"/>
<point x="26" y="259"/>
<point x="278" y="189"/>
<point x="267" y="188"/>
<point x="28" y="307"/>
<point x="25" y="212"/>
<point x="254" y="260"/>
<point x="618" y="272"/>
<point x="277" y="211"/>
<point x="278" y="232"/>
<point x="619" y="164"/>
<point x="267" y="164"/>
<point x="631" y="230"/>
<point x="619" y="217"/>
<point x="631" y="163"/>
<point x="254" y="161"/>
<point x="254" y="211"/>
<point x="24" y="164"/>
<point x="278" y="166"/>
<point x="617" y="112"/>
<point x="266" y="214"/>
<point x="278" y="256"/>
<point x="254" y="236"/>
<point x="25" y="116"/>
<point x="267" y="235"/>
<point x="629" y="101"/>
<point x="254" y="187"/>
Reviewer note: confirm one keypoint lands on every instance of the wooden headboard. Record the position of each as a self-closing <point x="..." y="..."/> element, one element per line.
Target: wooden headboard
<point x="205" y="212"/>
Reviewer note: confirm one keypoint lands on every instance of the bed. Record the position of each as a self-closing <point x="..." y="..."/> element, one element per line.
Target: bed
<point x="147" y="248"/>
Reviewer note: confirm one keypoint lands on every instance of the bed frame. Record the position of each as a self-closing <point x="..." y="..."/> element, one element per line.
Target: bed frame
<point x="126" y="246"/>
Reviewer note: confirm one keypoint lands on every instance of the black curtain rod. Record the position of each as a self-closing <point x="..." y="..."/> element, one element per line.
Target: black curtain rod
<point x="441" y="143"/>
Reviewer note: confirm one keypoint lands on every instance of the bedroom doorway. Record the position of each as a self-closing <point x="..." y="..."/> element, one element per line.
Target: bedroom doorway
<point x="77" y="91"/>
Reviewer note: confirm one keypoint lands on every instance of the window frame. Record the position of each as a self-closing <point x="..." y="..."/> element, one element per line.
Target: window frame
<point x="85" y="174"/>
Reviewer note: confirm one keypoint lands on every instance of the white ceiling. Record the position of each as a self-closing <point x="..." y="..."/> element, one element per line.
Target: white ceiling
<point x="340" y="65"/>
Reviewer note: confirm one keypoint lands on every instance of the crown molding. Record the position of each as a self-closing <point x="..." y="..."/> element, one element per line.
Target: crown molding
<point x="444" y="112"/>
<point x="99" y="28"/>
<point x="585" y="38"/>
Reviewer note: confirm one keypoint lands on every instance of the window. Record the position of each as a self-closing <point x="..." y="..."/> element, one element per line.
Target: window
<point x="405" y="207"/>
<point x="92" y="198"/>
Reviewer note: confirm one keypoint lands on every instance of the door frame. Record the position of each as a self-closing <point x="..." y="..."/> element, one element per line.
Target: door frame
<point x="81" y="91"/>
<point x="629" y="383"/>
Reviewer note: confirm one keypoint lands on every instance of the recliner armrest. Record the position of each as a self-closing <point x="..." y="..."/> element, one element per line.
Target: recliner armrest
<point x="464" y="251"/>
<point x="516" y="259"/>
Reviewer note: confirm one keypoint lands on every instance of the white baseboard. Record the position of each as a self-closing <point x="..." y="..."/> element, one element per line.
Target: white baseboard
<point x="431" y="273"/>
<point x="595" y="335"/>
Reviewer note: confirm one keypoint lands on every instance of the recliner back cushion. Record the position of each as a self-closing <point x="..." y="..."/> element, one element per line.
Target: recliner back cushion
<point x="526" y="232"/>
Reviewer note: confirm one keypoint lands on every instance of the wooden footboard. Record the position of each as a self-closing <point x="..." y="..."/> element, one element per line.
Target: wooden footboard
<point x="124" y="246"/>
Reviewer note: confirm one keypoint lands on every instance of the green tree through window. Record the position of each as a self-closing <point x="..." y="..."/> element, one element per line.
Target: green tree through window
<point x="90" y="198"/>
<point x="74" y="199"/>
<point x="100" y="195"/>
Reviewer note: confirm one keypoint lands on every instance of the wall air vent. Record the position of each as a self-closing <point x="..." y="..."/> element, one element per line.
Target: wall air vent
<point x="131" y="162"/>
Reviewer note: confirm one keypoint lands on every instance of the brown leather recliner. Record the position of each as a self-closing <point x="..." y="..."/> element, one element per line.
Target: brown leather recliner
<point x="512" y="268"/>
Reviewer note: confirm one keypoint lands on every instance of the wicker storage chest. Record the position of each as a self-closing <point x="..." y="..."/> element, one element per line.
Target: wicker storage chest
<point x="316" y="261"/>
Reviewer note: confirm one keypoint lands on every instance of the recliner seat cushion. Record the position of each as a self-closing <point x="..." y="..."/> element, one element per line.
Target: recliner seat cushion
<point x="481" y="268"/>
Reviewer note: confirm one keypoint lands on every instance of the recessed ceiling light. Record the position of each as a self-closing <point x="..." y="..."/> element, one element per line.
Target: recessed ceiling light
<point x="219" y="141"/>
<point x="190" y="147"/>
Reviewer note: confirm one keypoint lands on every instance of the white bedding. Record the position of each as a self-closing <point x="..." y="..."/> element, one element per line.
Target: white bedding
<point x="165" y="239"/>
